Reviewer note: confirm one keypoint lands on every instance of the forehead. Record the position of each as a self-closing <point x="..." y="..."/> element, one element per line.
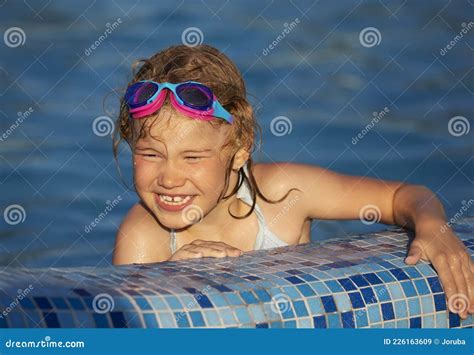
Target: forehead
<point x="171" y="128"/>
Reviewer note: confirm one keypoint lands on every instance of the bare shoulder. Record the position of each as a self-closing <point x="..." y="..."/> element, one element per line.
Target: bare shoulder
<point x="276" y="179"/>
<point x="140" y="239"/>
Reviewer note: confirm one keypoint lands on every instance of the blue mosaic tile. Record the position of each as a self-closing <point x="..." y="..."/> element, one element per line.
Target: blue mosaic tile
<point x="300" y="308"/>
<point x="434" y="284"/>
<point x="408" y="288"/>
<point x="305" y="290"/>
<point x="328" y="304"/>
<point x="427" y="305"/>
<point x="347" y="284"/>
<point x="372" y="278"/>
<point x="347" y="319"/>
<point x="59" y="303"/>
<point x="387" y="311"/>
<point x="157" y="303"/>
<point x="320" y="322"/>
<point x="415" y="322"/>
<point x="368" y="295"/>
<point x="440" y="302"/>
<point x="258" y="315"/>
<point x="414" y="306"/>
<point x="395" y="291"/>
<point x="67" y="321"/>
<point x="334" y="320"/>
<point x="401" y="309"/>
<point x="315" y="305"/>
<point x="422" y="286"/>
<point x="356" y="300"/>
<point x="361" y="318"/>
<point x="386" y="276"/>
<point x="243" y="315"/>
<point x="454" y="320"/>
<point x="359" y="280"/>
<point x="150" y="320"/>
<point x="343" y="302"/>
<point x="382" y="293"/>
<point x="295" y="280"/>
<point x="326" y="287"/>
<point x="142" y="303"/>
<point x="374" y="313"/>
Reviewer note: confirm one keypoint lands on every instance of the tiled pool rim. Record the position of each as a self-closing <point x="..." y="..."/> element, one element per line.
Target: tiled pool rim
<point x="352" y="282"/>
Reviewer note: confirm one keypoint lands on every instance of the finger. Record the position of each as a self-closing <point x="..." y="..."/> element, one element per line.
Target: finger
<point x="185" y="254"/>
<point x="222" y="246"/>
<point x="209" y="252"/>
<point x="444" y="273"/>
<point x="213" y="244"/>
<point x="459" y="301"/>
<point x="414" y="255"/>
<point x="469" y="276"/>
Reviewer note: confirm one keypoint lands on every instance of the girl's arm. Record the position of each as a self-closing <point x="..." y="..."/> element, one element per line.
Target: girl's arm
<point x="418" y="208"/>
<point x="329" y="195"/>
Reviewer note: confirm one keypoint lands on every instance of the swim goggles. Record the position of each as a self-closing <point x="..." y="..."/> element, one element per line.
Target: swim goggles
<point x="191" y="98"/>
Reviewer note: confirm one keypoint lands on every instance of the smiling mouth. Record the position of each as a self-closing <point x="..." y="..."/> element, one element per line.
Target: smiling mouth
<point x="176" y="200"/>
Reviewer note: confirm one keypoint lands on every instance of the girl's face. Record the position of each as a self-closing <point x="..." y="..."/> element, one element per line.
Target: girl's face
<point x="179" y="156"/>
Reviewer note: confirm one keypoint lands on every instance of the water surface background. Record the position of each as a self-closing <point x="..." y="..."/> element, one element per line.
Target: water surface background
<point x="319" y="76"/>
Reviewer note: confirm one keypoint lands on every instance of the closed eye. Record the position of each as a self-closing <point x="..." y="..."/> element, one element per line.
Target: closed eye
<point x="194" y="158"/>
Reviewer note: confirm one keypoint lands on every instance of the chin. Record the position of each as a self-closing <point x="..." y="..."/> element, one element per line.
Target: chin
<point x="173" y="223"/>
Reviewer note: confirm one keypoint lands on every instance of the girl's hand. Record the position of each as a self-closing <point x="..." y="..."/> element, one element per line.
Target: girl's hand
<point x="202" y="249"/>
<point x="452" y="262"/>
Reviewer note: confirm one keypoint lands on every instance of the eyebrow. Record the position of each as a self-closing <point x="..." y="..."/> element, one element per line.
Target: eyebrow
<point x="189" y="150"/>
<point x="197" y="151"/>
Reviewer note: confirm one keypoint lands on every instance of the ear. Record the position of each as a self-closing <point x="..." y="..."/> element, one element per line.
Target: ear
<point x="240" y="159"/>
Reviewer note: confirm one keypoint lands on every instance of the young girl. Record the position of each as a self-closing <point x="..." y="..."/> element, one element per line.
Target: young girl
<point x="191" y="129"/>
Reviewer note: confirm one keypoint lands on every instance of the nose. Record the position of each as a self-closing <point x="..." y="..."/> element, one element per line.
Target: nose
<point x="170" y="176"/>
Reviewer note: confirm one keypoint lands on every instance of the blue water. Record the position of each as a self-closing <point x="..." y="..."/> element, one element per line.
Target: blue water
<point x="319" y="76"/>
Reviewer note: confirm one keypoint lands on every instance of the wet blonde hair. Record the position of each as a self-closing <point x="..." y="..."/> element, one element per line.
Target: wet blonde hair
<point x="207" y="65"/>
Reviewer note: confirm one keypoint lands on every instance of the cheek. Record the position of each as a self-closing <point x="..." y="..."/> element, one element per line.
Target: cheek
<point x="142" y="172"/>
<point x="210" y="178"/>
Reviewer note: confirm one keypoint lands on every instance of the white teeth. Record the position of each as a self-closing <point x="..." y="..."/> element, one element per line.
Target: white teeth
<point x="177" y="200"/>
